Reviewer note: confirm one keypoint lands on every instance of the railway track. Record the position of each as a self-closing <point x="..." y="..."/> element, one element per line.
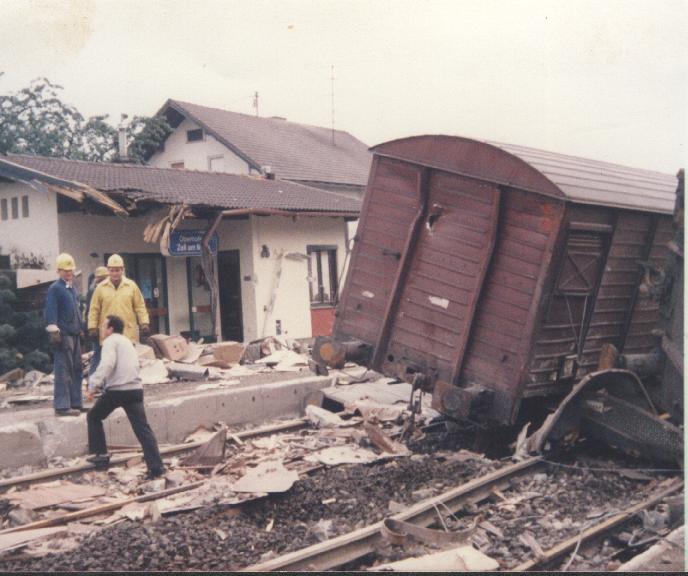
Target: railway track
<point x="348" y="548"/>
<point x="480" y="493"/>
<point x="597" y="530"/>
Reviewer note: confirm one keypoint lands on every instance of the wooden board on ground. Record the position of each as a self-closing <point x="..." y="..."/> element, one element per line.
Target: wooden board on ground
<point x="18" y="539"/>
<point x="44" y="495"/>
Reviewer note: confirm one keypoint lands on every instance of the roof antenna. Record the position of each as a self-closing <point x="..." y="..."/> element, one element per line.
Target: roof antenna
<point x="255" y="102"/>
<point x="332" y="78"/>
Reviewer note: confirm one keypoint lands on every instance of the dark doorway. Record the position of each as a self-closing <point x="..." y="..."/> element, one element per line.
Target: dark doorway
<point x="229" y="282"/>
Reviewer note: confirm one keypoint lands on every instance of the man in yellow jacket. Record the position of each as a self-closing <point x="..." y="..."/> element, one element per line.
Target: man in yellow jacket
<point x="118" y="296"/>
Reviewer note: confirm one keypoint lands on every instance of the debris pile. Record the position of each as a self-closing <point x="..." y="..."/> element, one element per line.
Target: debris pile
<point x="167" y="359"/>
<point x="215" y="533"/>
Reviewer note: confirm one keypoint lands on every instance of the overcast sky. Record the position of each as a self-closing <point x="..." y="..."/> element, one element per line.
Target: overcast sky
<point x="602" y="79"/>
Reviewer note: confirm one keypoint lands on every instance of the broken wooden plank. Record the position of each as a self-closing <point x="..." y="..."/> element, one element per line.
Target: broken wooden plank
<point x="210" y="453"/>
<point x="42" y="496"/>
<point x="18" y="539"/>
<point x="382" y="441"/>
<point x="95" y="510"/>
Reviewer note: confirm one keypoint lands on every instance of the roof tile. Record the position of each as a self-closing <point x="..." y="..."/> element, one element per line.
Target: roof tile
<point x="293" y="151"/>
<point x="216" y="189"/>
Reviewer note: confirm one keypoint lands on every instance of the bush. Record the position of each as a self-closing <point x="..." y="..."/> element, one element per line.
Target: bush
<point x="24" y="343"/>
<point x="9" y="359"/>
<point x="37" y="360"/>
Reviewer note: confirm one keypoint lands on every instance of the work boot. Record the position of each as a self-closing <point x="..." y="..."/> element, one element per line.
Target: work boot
<point x="153" y="474"/>
<point x="68" y="412"/>
<point x="100" y="460"/>
<point x="80" y="408"/>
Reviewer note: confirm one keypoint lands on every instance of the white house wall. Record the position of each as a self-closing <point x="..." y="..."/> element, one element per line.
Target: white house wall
<point x="81" y="235"/>
<point x="289" y="237"/>
<point x="37" y="234"/>
<point x="197" y="155"/>
<point x="84" y="234"/>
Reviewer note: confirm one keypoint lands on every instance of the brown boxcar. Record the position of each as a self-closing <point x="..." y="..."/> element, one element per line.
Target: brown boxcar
<point x="491" y="273"/>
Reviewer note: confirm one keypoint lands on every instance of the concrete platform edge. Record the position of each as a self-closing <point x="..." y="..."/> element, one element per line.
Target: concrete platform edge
<point x="43" y="436"/>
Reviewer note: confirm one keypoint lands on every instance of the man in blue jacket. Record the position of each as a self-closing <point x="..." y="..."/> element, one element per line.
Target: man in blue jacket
<point x="63" y="316"/>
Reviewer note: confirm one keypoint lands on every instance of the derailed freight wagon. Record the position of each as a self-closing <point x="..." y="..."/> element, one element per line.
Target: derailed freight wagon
<point x="493" y="274"/>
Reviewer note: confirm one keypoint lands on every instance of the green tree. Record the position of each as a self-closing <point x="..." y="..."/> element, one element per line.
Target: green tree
<point x="146" y="133"/>
<point x="35" y="120"/>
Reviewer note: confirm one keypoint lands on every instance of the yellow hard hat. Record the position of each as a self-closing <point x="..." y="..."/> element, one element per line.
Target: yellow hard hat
<point x="65" y="262"/>
<point x="115" y="261"/>
<point x="101" y="272"/>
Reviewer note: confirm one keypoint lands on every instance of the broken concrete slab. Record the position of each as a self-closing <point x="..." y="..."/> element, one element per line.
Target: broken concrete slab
<point x="323" y="418"/>
<point x="21" y="444"/>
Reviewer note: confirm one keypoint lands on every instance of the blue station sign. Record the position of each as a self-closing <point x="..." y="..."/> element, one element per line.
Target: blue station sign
<point x="188" y="242"/>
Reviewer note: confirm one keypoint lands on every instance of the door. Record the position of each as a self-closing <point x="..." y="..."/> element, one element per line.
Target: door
<point x="564" y="332"/>
<point x="229" y="283"/>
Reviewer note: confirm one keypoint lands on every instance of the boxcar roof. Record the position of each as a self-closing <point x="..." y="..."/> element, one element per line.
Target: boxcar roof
<point x="579" y="180"/>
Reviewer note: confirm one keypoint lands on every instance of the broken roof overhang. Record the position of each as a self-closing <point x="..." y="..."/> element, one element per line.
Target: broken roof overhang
<point x="42" y="182"/>
<point x="125" y="199"/>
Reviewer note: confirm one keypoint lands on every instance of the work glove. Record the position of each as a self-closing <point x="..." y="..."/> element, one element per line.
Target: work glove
<point x="55" y="338"/>
<point x="93" y="334"/>
<point x="145" y="330"/>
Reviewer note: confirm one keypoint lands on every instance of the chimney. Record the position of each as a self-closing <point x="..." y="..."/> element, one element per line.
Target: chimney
<point x="269" y="174"/>
<point x="122" y="155"/>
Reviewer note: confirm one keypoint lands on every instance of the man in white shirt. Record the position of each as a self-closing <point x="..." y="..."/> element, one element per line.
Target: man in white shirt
<point x="118" y="374"/>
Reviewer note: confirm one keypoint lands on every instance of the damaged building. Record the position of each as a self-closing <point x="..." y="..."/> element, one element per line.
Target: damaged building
<point x="278" y="248"/>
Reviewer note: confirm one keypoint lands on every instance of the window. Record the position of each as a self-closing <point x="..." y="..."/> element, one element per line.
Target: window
<point x="25" y="206"/>
<point x="194" y="135"/>
<point x="322" y="274"/>
<point x="15" y="208"/>
<point x="177" y="165"/>
<point x="214" y="163"/>
<point x="3" y="208"/>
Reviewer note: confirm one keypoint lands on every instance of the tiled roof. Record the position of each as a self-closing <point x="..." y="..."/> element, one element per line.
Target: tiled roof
<point x="293" y="151"/>
<point x="192" y="187"/>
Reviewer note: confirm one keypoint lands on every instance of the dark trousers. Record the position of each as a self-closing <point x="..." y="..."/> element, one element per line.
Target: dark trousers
<point x="67" y="374"/>
<point x="132" y="402"/>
